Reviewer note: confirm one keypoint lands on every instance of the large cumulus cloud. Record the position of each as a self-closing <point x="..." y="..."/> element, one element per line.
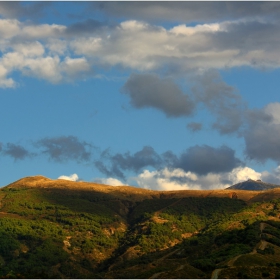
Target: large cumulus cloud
<point x="168" y="179"/>
<point x="178" y="179"/>
<point x="239" y="40"/>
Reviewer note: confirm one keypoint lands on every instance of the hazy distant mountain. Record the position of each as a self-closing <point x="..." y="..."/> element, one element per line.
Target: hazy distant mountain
<point x="252" y="185"/>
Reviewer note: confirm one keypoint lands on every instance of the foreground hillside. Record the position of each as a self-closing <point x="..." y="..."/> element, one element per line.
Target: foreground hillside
<point x="62" y="229"/>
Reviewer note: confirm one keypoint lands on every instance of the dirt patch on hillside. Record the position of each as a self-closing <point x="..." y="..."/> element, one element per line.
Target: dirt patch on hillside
<point x="159" y="220"/>
<point x="11" y="215"/>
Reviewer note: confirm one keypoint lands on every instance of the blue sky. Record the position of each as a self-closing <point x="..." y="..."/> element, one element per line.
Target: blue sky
<point x="158" y="95"/>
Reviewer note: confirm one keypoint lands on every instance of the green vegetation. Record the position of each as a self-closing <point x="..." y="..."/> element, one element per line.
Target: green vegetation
<point x="72" y="233"/>
<point x="34" y="233"/>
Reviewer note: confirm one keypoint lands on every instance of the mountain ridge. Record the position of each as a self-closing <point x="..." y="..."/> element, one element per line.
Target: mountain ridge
<point x="255" y="185"/>
<point x="139" y="194"/>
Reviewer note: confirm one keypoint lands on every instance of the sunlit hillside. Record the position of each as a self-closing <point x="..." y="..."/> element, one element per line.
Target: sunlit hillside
<point x="63" y="229"/>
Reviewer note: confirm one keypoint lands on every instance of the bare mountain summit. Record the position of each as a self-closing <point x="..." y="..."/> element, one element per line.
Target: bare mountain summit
<point x="252" y="185"/>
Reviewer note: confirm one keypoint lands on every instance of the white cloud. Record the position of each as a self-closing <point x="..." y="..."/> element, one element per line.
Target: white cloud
<point x="241" y="174"/>
<point x="40" y="67"/>
<point x="7" y="83"/>
<point x="187" y="30"/>
<point x="9" y="28"/>
<point x="3" y="71"/>
<point x="109" y="181"/>
<point x="4" y="82"/>
<point x="86" y="46"/>
<point x="42" y="31"/>
<point x="72" y="66"/>
<point x="141" y="46"/>
<point x="12" y="61"/>
<point x="43" y="67"/>
<point x="138" y="46"/>
<point x="134" y="25"/>
<point x="57" y="46"/>
<point x="73" y="177"/>
<point x="30" y="60"/>
<point x="30" y="49"/>
<point x="177" y="179"/>
<point x="161" y="180"/>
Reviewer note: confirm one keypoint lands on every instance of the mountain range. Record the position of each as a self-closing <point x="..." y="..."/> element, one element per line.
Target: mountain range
<point x="253" y="185"/>
<point x="64" y="229"/>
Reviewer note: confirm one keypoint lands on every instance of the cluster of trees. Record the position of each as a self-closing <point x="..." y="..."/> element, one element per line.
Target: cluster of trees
<point x="32" y="237"/>
<point x="180" y="216"/>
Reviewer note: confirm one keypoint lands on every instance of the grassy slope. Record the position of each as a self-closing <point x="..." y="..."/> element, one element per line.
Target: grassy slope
<point x="61" y="229"/>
